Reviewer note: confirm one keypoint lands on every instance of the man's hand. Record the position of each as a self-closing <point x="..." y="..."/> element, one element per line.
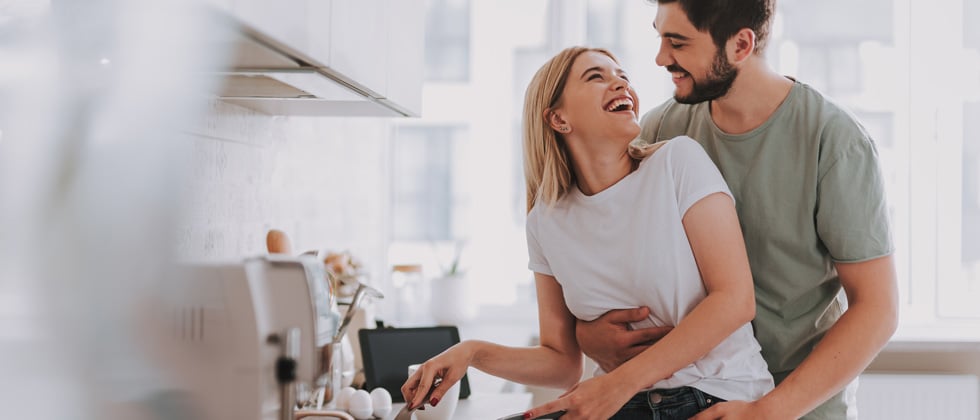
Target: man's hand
<point x="610" y="341"/>
<point x="640" y="150"/>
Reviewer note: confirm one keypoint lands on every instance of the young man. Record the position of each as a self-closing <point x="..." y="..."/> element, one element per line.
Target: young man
<point x="810" y="198"/>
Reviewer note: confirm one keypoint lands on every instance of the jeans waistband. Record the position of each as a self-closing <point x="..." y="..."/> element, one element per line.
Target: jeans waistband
<point x="655" y="398"/>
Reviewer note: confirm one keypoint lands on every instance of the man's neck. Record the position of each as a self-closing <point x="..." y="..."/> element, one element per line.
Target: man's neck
<point x="757" y="93"/>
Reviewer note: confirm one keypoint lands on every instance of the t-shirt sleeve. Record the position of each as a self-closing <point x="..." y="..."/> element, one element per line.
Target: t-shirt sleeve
<point x="536" y="260"/>
<point x="695" y="174"/>
<point x="852" y="215"/>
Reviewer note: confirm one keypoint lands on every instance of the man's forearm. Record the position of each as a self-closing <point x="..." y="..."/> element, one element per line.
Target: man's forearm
<point x="845" y="351"/>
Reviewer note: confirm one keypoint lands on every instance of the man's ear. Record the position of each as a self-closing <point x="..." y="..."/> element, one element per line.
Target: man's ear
<point x="741" y="46"/>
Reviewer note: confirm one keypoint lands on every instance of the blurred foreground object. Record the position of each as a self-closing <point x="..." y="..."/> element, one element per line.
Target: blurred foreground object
<point x="94" y="96"/>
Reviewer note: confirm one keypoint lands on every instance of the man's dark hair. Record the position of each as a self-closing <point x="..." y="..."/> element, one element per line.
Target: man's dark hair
<point x="724" y="18"/>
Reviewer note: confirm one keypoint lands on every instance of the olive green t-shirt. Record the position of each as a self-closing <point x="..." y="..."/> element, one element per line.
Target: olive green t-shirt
<point x="809" y="193"/>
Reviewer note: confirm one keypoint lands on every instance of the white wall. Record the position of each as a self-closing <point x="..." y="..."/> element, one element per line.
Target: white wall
<point x="322" y="180"/>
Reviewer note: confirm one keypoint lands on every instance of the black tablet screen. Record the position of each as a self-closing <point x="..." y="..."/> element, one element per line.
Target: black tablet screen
<point x="387" y="352"/>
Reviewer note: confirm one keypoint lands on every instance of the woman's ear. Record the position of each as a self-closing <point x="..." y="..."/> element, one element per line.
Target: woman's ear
<point x="741" y="46"/>
<point x="555" y="121"/>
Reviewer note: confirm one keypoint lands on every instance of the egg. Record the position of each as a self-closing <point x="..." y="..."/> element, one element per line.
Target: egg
<point x="344" y="396"/>
<point x="277" y="242"/>
<point x="359" y="405"/>
<point x="381" y="400"/>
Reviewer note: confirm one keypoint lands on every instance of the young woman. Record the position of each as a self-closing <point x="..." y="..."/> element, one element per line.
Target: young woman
<point x="607" y="232"/>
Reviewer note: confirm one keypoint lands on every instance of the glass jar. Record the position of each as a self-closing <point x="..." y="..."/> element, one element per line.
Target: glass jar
<point x="412" y="303"/>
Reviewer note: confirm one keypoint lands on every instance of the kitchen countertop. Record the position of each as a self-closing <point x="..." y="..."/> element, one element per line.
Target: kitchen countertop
<point x="480" y="406"/>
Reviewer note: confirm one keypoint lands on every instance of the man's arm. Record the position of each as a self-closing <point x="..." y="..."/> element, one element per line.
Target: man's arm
<point x="844" y="352"/>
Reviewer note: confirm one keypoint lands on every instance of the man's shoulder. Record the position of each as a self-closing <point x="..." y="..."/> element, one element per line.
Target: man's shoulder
<point x="838" y="127"/>
<point x="668" y="120"/>
<point x="840" y="130"/>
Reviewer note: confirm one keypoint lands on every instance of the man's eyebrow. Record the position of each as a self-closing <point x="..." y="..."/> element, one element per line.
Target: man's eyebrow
<point x="675" y="35"/>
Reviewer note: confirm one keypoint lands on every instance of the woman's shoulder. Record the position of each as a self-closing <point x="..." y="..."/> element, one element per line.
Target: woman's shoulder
<point x="681" y="158"/>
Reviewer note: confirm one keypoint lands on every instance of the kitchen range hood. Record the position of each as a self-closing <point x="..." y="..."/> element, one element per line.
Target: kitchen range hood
<point x="269" y="76"/>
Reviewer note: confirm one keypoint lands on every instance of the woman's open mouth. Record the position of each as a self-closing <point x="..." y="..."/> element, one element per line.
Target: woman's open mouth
<point x="620" y="104"/>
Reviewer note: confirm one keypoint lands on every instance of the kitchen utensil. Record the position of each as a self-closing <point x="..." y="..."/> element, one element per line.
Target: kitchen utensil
<point x="355" y="304"/>
<point x="406" y="413"/>
<point x="337" y="350"/>
<point x="302" y="414"/>
<point x="447" y="404"/>
<point x="520" y="416"/>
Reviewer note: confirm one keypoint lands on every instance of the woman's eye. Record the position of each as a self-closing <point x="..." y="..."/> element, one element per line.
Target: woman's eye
<point x="594" y="76"/>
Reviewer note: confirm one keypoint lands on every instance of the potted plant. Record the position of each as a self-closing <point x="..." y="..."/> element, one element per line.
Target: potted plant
<point x="449" y="298"/>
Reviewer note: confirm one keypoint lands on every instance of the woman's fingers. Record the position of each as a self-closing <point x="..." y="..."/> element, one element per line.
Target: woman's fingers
<point x="411" y="386"/>
<point x="447" y="380"/>
<point x="552" y="407"/>
<point x="427" y="377"/>
<point x="430" y="382"/>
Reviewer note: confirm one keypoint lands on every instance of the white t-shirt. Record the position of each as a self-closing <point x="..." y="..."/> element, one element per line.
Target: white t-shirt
<point x="626" y="247"/>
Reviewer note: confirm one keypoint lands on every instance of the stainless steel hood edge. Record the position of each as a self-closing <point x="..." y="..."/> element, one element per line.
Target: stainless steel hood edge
<point x="272" y="77"/>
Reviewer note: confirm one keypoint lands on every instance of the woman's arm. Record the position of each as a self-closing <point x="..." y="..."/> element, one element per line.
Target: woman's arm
<point x="556" y="362"/>
<point x="716" y="240"/>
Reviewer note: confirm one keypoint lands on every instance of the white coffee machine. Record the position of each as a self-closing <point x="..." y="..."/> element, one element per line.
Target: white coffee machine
<point x="258" y="336"/>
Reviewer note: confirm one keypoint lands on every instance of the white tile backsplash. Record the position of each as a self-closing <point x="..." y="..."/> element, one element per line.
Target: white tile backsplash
<point x="322" y="180"/>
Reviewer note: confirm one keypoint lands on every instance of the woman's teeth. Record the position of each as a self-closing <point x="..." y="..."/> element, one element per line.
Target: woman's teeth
<point x="622" y="104"/>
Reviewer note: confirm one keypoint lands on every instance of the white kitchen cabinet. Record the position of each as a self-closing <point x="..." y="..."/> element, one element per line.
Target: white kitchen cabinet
<point x="359" y="43"/>
<point x="318" y="24"/>
<point x="282" y="22"/>
<point x="373" y="48"/>
<point x="406" y="54"/>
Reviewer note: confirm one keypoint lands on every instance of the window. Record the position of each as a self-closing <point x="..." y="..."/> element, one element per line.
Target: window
<point x="955" y="106"/>
<point x="884" y="70"/>
<point x="447" y="40"/>
<point x="421" y="202"/>
<point x="911" y="75"/>
<point x="602" y="20"/>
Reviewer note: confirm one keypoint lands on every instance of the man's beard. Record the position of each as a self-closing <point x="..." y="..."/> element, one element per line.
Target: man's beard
<point x="715" y="85"/>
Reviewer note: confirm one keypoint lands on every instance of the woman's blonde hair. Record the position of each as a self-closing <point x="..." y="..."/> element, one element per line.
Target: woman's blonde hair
<point x="548" y="171"/>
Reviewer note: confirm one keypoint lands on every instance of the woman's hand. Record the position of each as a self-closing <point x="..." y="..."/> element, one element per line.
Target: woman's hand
<point x="598" y="398"/>
<point x="449" y="367"/>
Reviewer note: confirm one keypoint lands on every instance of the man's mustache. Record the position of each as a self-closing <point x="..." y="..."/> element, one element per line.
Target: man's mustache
<point x="674" y="68"/>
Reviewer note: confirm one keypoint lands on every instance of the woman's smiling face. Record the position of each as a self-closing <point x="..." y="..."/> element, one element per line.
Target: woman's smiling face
<point x="598" y="99"/>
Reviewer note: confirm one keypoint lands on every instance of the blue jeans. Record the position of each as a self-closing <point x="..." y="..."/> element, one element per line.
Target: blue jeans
<point x="666" y="404"/>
